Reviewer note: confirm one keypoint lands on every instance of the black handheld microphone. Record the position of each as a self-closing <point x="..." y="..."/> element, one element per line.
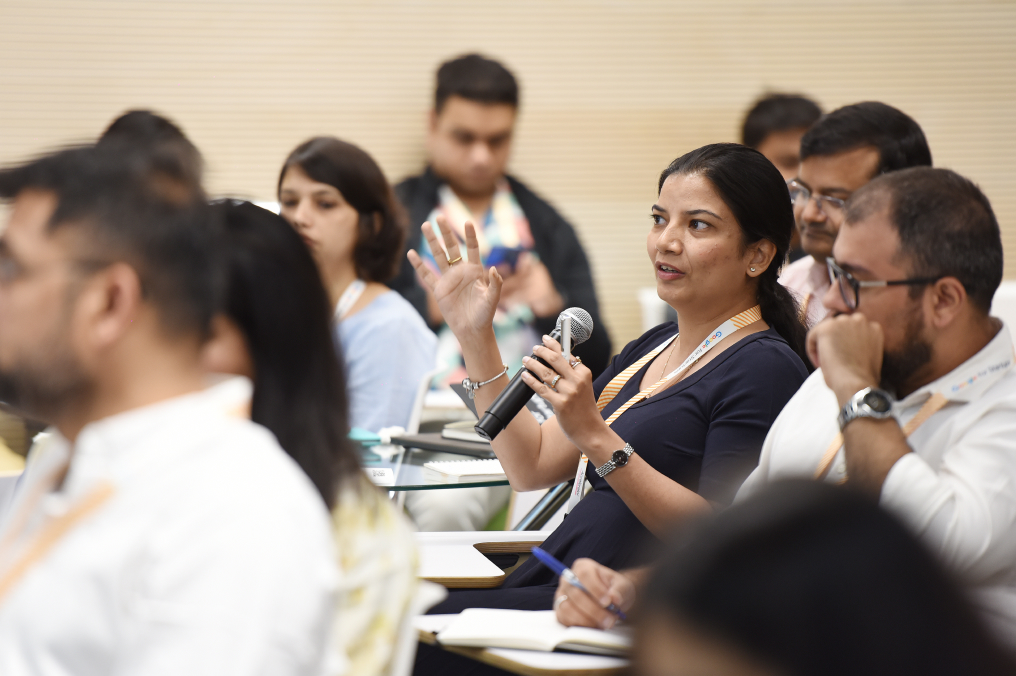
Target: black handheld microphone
<point x="514" y="397"/>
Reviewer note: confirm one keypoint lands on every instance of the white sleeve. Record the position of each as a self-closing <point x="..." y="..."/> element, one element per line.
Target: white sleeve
<point x="966" y="510"/>
<point x="759" y="476"/>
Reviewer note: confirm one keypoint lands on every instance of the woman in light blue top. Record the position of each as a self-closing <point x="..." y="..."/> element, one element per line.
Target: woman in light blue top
<point x="338" y="200"/>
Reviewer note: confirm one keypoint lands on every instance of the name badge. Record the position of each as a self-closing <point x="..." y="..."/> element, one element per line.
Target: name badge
<point x="579" y="487"/>
<point x="380" y="476"/>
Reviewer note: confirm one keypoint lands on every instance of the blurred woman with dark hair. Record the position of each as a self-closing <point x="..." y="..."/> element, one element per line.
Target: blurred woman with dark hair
<point x="340" y="203"/>
<point x="275" y="330"/>
<point x="808" y="579"/>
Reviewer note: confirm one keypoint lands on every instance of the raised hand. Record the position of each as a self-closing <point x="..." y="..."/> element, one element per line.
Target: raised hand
<point x="466" y="293"/>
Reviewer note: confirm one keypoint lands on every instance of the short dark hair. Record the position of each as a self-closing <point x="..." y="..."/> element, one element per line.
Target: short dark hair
<point x="133" y="212"/>
<point x="166" y="144"/>
<point x="777" y="112"/>
<point x="276" y="297"/>
<point x="946" y="226"/>
<point x="475" y="78"/>
<point x="900" y="142"/>
<point x="810" y="578"/>
<point x="355" y="174"/>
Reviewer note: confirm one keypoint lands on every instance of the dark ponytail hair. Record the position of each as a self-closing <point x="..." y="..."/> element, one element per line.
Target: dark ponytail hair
<point x="276" y="297"/>
<point x="754" y="190"/>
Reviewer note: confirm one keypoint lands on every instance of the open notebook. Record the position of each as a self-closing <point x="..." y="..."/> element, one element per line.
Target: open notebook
<point x="529" y="630"/>
<point x="455" y="471"/>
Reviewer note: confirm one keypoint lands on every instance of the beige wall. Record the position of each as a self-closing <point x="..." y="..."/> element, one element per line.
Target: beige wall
<point x="612" y="90"/>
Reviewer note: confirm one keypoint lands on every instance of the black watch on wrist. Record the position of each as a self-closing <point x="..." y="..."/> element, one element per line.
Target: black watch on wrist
<point x="868" y="403"/>
<point x="618" y="458"/>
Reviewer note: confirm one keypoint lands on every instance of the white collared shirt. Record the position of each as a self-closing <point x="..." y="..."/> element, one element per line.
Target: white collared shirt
<point x="213" y="554"/>
<point x="957" y="490"/>
<point x="808" y="280"/>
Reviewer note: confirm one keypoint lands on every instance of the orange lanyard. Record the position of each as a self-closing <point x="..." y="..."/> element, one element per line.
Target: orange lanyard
<point x="51" y="532"/>
<point x="930" y="408"/>
<point x="738" y="321"/>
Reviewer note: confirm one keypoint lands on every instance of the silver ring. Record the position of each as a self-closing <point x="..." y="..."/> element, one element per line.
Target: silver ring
<point x="559" y="600"/>
<point x="574" y="362"/>
<point x="553" y="383"/>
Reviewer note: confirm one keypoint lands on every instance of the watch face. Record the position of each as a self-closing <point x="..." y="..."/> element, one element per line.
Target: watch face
<point x="620" y="458"/>
<point x="877" y="402"/>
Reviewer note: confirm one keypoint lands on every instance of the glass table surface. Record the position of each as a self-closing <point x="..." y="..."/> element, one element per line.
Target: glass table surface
<point x="406" y="472"/>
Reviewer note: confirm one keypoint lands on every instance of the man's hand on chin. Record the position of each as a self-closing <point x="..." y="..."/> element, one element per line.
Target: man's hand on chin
<point x="848" y="349"/>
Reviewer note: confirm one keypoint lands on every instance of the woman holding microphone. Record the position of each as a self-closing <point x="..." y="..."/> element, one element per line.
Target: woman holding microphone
<point x="687" y="412"/>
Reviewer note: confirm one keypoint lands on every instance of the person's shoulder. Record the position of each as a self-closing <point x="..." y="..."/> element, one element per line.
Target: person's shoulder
<point x="533" y="205"/>
<point x="766" y="355"/>
<point x="411" y="186"/>
<point x="389" y="310"/>
<point x="264" y="460"/>
<point x="388" y="322"/>
<point x="797" y="271"/>
<point x="233" y="470"/>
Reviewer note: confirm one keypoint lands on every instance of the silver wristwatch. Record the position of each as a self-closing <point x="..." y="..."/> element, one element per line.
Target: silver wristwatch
<point x="617" y="459"/>
<point x="868" y="403"/>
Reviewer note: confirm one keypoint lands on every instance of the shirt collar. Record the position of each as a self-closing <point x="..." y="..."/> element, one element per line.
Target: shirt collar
<point x="117" y="443"/>
<point x="969" y="380"/>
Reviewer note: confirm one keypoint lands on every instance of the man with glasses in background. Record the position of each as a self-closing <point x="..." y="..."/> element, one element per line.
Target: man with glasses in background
<point x="914" y="401"/>
<point x="840" y="153"/>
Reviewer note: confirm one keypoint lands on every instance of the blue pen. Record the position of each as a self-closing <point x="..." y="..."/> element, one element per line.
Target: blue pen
<point x="571" y="578"/>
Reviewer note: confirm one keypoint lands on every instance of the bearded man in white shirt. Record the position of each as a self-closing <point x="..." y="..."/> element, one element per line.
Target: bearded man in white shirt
<point x="914" y="401"/>
<point x="155" y="532"/>
<point x="840" y="153"/>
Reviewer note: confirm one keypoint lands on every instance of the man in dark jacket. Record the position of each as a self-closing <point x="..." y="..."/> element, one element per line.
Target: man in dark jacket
<point x="534" y="248"/>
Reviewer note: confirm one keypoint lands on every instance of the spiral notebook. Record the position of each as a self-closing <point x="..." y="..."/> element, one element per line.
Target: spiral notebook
<point x="455" y="471"/>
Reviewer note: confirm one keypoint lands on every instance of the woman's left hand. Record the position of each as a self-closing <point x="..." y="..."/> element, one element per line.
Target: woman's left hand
<point x="572" y="393"/>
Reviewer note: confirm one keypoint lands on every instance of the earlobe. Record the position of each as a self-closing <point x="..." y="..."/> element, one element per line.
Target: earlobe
<point x="761" y="257"/>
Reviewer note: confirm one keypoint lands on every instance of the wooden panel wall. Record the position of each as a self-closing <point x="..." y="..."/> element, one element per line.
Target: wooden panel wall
<point x="612" y="89"/>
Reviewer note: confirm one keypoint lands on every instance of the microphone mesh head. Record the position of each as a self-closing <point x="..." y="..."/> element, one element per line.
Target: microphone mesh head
<point x="581" y="324"/>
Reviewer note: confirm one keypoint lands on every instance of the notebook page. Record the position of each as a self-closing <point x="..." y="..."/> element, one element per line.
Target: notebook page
<point x="465" y="468"/>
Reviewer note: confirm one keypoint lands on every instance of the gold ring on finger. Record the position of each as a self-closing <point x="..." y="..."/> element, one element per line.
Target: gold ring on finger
<point x="453" y="261"/>
<point x="553" y="383"/>
<point x="575" y="362"/>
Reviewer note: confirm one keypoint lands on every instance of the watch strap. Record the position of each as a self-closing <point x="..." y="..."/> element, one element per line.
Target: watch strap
<point x="609" y="466"/>
<point x="857" y="407"/>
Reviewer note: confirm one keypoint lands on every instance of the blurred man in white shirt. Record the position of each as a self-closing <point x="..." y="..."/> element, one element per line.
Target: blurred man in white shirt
<point x="154" y="532"/>
<point x="921" y="376"/>
<point x="840" y="153"/>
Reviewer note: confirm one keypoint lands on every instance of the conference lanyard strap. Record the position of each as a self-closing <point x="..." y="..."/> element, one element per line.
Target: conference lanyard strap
<point x="738" y="321"/>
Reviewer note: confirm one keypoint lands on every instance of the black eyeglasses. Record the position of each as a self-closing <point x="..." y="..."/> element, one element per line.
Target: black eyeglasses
<point x="800" y="195"/>
<point x="850" y="287"/>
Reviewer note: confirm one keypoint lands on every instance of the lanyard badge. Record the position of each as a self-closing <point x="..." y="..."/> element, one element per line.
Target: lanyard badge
<point x="732" y="325"/>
